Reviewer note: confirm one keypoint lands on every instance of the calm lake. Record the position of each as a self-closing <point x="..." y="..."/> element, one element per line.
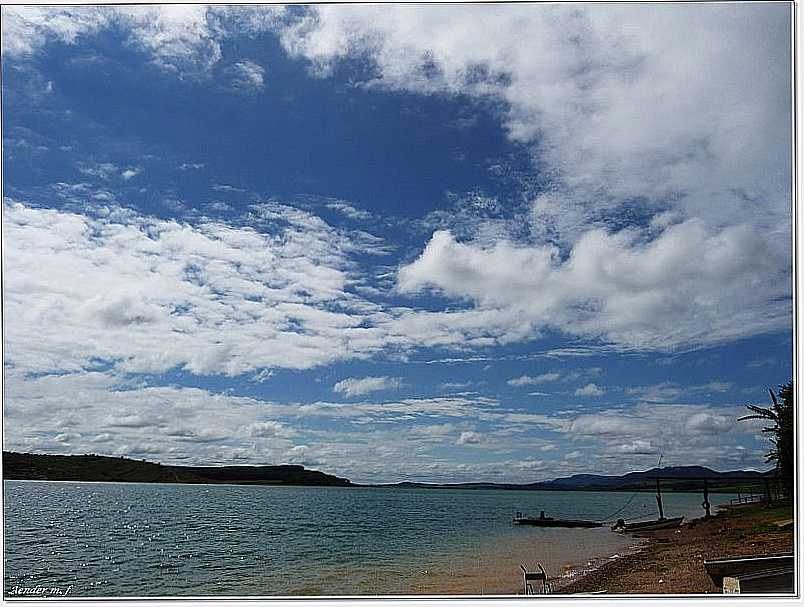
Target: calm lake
<point x="127" y="539"/>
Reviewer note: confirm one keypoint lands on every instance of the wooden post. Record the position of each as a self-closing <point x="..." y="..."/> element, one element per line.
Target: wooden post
<point x="659" y="499"/>
<point x="706" y="503"/>
<point x="768" y="492"/>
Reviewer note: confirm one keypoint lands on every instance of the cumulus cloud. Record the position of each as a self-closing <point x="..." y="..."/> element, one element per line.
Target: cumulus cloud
<point x="247" y="77"/>
<point x="708" y="423"/>
<point x="354" y="386"/>
<point x="527" y="380"/>
<point x="269" y="429"/>
<point x="631" y="289"/>
<point x="669" y="391"/>
<point x="470" y="438"/>
<point x="682" y="113"/>
<point x="590" y="390"/>
<point x="636" y="447"/>
<point x="116" y="416"/>
<point x="690" y="103"/>
<point x="348" y="210"/>
<point x="217" y="299"/>
<point x="365" y="441"/>
<point x="672" y="121"/>
<point x="182" y="39"/>
<point x="656" y="393"/>
<point x="686" y="107"/>
<point x="455" y="385"/>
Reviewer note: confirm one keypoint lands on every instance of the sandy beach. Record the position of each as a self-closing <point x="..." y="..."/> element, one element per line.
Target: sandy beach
<point x="671" y="562"/>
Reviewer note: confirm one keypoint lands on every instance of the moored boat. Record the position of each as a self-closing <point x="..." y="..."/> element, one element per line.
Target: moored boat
<point x="548" y="521"/>
<point x="656" y="525"/>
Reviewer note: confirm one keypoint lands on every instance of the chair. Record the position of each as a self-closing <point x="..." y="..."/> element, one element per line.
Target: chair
<point x="536" y="576"/>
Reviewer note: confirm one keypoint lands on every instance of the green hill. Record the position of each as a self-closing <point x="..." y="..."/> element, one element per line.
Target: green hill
<point x="99" y="468"/>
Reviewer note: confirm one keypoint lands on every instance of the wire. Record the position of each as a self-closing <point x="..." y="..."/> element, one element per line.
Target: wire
<point x="610" y="518"/>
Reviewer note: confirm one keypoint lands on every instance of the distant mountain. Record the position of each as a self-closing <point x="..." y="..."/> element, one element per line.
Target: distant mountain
<point x="31" y="466"/>
<point x="671" y="477"/>
<point x="679" y="478"/>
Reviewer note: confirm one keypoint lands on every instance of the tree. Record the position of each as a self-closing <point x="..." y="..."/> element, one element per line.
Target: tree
<point x="780" y="414"/>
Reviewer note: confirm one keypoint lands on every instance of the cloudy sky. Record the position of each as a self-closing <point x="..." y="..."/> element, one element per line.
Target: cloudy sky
<point x="445" y="243"/>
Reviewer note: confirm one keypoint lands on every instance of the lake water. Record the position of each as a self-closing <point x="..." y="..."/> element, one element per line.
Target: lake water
<point x="128" y="539"/>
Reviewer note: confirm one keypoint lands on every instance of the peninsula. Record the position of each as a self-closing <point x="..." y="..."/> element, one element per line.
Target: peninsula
<point x="99" y="468"/>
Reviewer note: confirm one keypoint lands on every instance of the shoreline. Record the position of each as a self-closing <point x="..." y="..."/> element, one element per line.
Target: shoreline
<point x="671" y="561"/>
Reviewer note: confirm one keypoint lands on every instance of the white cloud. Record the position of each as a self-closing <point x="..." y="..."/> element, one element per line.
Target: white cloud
<point x="636" y="447"/>
<point x="26" y="29"/>
<point x="217" y="299"/>
<point x="101" y="170"/>
<point x="115" y="416"/>
<point x="527" y="380"/>
<point x="455" y="385"/>
<point x="532" y="465"/>
<point x="184" y="39"/>
<point x="348" y="210"/>
<point x="669" y="391"/>
<point x="130" y="172"/>
<point x="708" y="423"/>
<point x="686" y="107"/>
<point x="119" y="416"/>
<point x="590" y="390"/>
<point x="354" y="386"/>
<point x="657" y="393"/>
<point x="469" y="438"/>
<point x="268" y="429"/>
<point x="682" y="112"/>
<point x="631" y="289"/>
<point x="717" y="386"/>
<point x="247" y="77"/>
<point x="690" y="102"/>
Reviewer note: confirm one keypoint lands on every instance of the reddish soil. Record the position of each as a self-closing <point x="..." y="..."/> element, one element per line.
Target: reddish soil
<point x="672" y="561"/>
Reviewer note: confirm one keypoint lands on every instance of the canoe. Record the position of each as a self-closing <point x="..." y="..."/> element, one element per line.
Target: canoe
<point x="657" y="525"/>
<point x="741" y="565"/>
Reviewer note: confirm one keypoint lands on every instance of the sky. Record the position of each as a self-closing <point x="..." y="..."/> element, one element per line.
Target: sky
<point x="401" y="243"/>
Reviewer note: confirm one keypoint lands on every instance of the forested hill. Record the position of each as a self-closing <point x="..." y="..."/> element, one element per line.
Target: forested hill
<point x="31" y="466"/>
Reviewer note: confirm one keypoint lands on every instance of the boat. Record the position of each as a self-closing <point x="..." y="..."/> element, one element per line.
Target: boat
<point x="548" y="521"/>
<point x="771" y="581"/>
<point x="737" y="566"/>
<point x="656" y="525"/>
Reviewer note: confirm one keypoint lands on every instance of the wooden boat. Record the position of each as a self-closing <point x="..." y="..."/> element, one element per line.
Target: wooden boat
<point x="771" y="581"/>
<point x="548" y="521"/>
<point x="737" y="566"/>
<point x="657" y="525"/>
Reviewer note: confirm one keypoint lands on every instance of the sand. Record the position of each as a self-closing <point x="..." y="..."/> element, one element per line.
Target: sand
<point x="671" y="562"/>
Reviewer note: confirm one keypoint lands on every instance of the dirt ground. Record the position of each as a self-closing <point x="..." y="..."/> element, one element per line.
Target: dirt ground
<point x="672" y="561"/>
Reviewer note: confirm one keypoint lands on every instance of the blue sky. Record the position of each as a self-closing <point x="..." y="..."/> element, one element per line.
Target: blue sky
<point x="447" y="243"/>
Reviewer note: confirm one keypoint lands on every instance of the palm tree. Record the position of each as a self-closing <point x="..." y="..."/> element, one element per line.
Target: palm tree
<point x="780" y="415"/>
